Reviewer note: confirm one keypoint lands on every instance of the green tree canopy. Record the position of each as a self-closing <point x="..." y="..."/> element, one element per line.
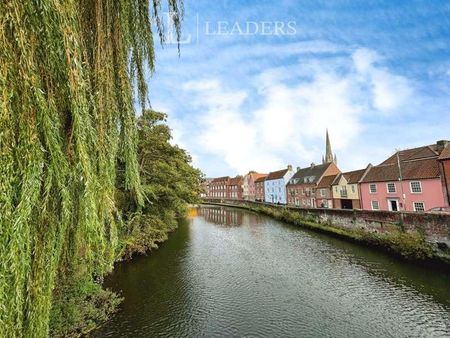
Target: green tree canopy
<point x="68" y="70"/>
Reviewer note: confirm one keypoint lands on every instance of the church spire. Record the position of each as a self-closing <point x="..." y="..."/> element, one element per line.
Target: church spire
<point x="328" y="153"/>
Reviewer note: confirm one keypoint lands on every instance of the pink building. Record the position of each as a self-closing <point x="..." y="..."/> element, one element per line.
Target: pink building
<point x="409" y="180"/>
<point x="249" y="185"/>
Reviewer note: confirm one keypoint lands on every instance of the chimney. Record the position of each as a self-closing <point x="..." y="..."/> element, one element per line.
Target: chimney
<point x="298" y="168"/>
<point x="441" y="145"/>
<point x="313" y="165"/>
<point x="289" y="167"/>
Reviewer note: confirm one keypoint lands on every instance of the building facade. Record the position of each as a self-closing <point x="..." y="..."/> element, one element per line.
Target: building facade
<point x="409" y="180"/>
<point x="346" y="189"/>
<point x="249" y="186"/>
<point x="324" y="192"/>
<point x="219" y="188"/>
<point x="301" y="188"/>
<point x="275" y="185"/>
<point x="236" y="188"/>
<point x="259" y="189"/>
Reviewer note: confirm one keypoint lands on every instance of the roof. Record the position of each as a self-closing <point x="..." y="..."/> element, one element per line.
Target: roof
<point x="220" y="179"/>
<point x="310" y="174"/>
<point x="415" y="163"/>
<point x="445" y="154"/>
<point x="261" y="179"/>
<point x="236" y="180"/>
<point x="355" y="176"/>
<point x="413" y="154"/>
<point x="326" y="181"/>
<point x="275" y="175"/>
<point x="258" y="176"/>
<point x="416" y="169"/>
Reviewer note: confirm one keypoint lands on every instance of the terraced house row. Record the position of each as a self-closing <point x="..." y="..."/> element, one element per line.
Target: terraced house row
<point x="415" y="179"/>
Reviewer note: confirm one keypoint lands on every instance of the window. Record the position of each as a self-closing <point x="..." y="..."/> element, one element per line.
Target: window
<point x="353" y="189"/>
<point x="322" y="192"/>
<point x="373" y="188"/>
<point x="375" y="205"/>
<point x="416" y="187"/>
<point x="390" y="187"/>
<point x="419" y="206"/>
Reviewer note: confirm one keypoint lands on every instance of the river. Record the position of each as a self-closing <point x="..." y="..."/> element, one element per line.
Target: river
<point x="232" y="273"/>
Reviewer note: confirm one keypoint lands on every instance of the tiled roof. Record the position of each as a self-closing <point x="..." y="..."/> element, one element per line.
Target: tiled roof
<point x="445" y="154"/>
<point x="220" y="179"/>
<point x="355" y="176"/>
<point x="261" y="179"/>
<point x="413" y="154"/>
<point x="236" y="180"/>
<point x="257" y="176"/>
<point x="310" y="174"/>
<point x="275" y="175"/>
<point x="326" y="181"/>
<point x="417" y="169"/>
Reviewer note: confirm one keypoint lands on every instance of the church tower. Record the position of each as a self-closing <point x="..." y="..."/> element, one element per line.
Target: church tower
<point x="328" y="153"/>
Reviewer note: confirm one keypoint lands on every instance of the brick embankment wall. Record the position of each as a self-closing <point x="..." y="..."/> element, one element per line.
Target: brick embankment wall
<point x="434" y="227"/>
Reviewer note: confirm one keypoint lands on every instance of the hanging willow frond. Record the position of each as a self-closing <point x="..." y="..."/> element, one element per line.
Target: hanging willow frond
<point x="67" y="75"/>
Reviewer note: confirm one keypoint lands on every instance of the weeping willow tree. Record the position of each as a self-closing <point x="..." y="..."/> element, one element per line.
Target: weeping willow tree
<point x="68" y="73"/>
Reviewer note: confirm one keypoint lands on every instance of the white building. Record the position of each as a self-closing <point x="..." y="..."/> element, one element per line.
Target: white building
<point x="275" y="185"/>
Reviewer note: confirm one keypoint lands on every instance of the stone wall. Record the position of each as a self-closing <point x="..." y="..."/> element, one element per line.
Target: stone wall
<point x="435" y="227"/>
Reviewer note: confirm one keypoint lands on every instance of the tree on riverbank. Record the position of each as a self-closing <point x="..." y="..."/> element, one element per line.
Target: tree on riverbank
<point x="67" y="74"/>
<point x="169" y="182"/>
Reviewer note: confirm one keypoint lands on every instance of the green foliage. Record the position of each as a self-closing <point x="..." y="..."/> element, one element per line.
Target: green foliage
<point x="68" y="70"/>
<point x="78" y="306"/>
<point x="169" y="183"/>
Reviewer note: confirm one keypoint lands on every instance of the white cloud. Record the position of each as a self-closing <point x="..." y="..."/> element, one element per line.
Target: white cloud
<point x="278" y="116"/>
<point x="389" y="90"/>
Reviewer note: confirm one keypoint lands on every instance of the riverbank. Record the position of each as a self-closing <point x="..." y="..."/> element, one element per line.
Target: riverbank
<point x="408" y="245"/>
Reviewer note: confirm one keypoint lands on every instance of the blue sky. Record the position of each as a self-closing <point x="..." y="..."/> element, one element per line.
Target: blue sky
<point x="375" y="73"/>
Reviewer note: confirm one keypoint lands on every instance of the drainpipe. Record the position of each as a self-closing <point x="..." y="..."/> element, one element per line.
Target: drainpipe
<point x="401" y="180"/>
<point x="401" y="185"/>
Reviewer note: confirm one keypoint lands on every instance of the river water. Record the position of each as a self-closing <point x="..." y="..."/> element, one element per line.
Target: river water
<point x="233" y="273"/>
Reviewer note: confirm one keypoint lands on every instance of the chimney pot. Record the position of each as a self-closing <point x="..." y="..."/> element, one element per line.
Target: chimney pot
<point x="442" y="144"/>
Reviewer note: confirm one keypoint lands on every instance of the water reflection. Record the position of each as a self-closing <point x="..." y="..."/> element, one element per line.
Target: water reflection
<point x="230" y="272"/>
<point x="221" y="216"/>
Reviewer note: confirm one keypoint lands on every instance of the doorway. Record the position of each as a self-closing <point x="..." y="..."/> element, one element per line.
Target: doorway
<point x="393" y="204"/>
<point x="346" y="204"/>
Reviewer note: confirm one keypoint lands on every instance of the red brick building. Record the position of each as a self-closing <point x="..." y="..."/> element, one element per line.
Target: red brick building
<point x="301" y="189"/>
<point x="236" y="188"/>
<point x="219" y="188"/>
<point x="259" y="188"/>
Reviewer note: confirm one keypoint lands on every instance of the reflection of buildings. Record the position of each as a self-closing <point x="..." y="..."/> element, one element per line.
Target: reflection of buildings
<point x="222" y="216"/>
